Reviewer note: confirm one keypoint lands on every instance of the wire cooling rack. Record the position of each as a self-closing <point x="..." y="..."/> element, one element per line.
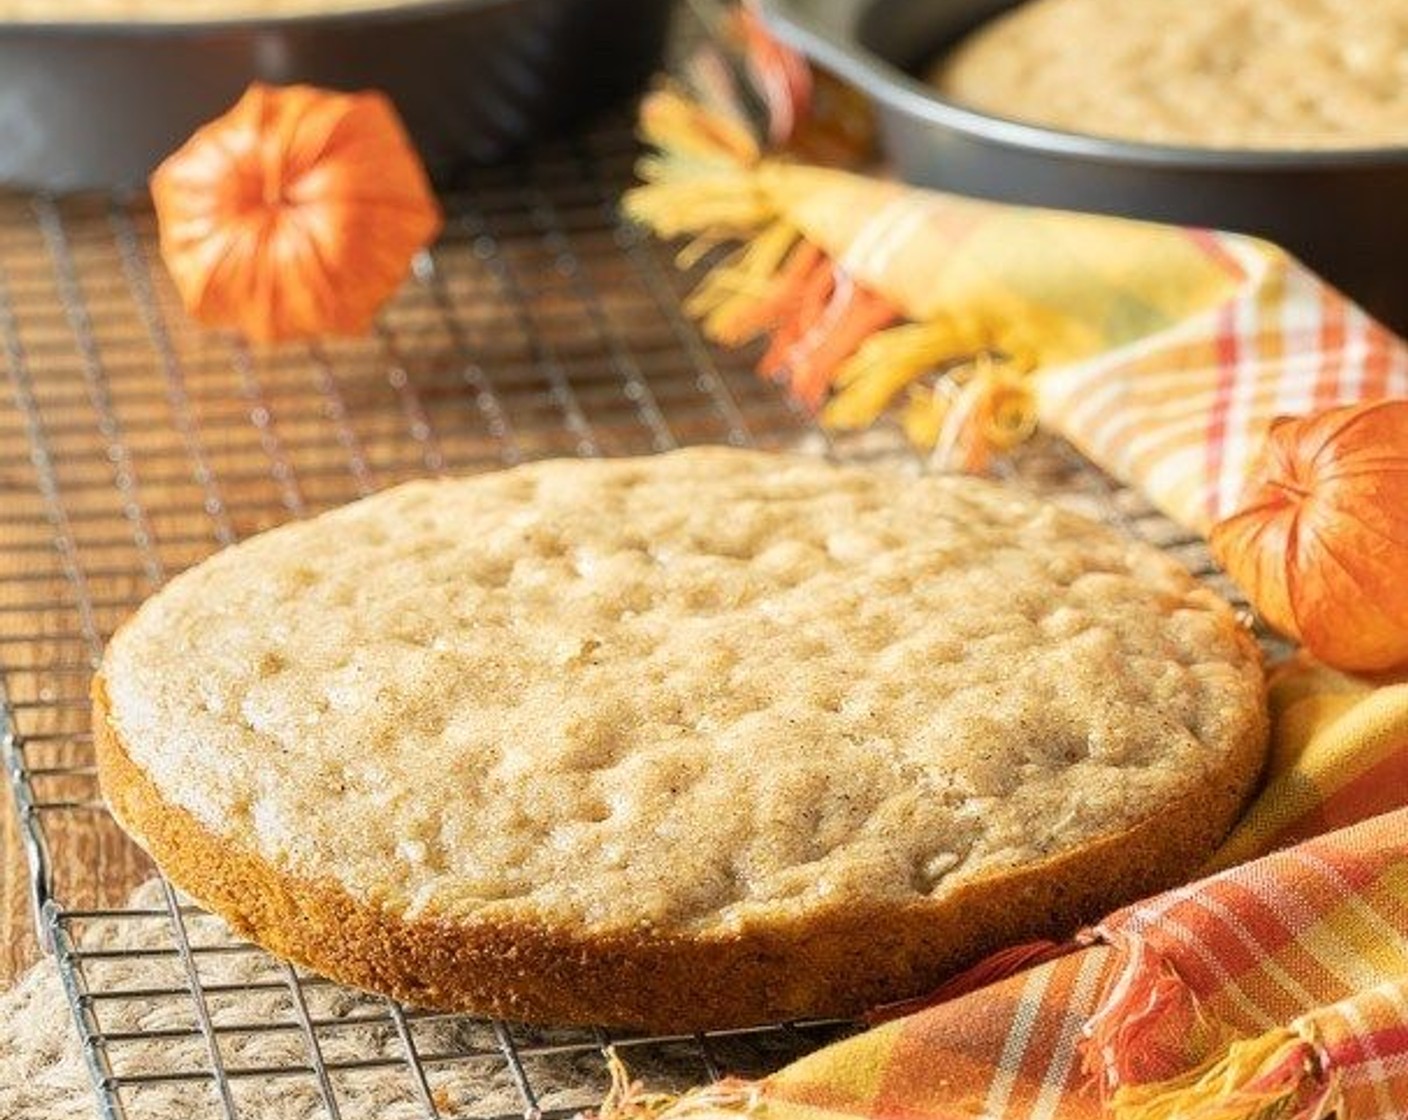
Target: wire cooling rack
<point x="133" y="444"/>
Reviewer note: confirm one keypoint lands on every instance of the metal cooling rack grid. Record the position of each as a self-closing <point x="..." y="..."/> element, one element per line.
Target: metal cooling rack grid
<point x="133" y="445"/>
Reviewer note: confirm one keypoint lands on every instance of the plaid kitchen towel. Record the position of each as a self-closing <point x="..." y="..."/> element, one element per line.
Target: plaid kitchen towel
<point x="1339" y="755"/>
<point x="1162" y="353"/>
<point x="1276" y="989"/>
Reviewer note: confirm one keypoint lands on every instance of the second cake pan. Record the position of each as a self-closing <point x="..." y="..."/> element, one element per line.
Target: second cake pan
<point x="1343" y="212"/>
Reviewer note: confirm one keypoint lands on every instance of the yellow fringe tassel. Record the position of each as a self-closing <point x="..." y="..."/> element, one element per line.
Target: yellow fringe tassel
<point x="1266" y="1078"/>
<point x="887" y="362"/>
<point x="980" y="404"/>
<point x="704" y="177"/>
<point x="627" y="1099"/>
<point x="733" y="288"/>
<point x="973" y="412"/>
<point x="722" y="204"/>
<point x="673" y="122"/>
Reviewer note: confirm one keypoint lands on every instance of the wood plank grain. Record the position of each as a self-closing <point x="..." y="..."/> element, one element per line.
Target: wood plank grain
<point x="95" y="864"/>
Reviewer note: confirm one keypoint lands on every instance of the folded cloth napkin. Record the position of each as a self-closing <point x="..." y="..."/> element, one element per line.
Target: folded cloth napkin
<point x="1277" y="988"/>
<point x="1162" y="353"/>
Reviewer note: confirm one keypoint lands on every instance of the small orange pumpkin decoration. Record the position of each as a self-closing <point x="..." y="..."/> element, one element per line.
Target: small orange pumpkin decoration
<point x="1320" y="544"/>
<point x="295" y="214"/>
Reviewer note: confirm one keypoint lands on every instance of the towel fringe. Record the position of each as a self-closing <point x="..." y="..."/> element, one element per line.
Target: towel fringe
<point x="1276" y="1076"/>
<point x="883" y="365"/>
<point x="703" y="177"/>
<point x="965" y="403"/>
<point x="750" y="292"/>
<point x="832" y="341"/>
<point x="628" y="1099"/>
<point x="1158" y="1056"/>
<point x="781" y="77"/>
<point x="687" y="131"/>
<point x="830" y="317"/>
<point x="1149" y="1025"/>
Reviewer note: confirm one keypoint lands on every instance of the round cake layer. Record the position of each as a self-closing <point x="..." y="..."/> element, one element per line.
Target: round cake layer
<point x="694" y="739"/>
<point x="1274" y="74"/>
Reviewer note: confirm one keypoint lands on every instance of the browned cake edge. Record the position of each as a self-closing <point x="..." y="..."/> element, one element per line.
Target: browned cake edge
<point x="837" y="964"/>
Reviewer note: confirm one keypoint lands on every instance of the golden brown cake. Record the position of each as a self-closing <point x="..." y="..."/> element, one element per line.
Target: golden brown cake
<point x="1289" y="74"/>
<point x="699" y="739"/>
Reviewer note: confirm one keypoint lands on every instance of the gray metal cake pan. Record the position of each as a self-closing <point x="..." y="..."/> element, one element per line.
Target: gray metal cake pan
<point x="98" y="105"/>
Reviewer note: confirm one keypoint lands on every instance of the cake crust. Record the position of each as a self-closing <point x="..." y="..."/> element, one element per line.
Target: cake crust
<point x="852" y="961"/>
<point x="864" y="859"/>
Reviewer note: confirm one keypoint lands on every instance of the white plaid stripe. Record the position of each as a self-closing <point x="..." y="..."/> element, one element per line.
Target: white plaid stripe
<point x="1014" y="1049"/>
<point x="1234" y="926"/>
<point x="1357" y="348"/>
<point x="1375" y="1065"/>
<point x="885" y="235"/>
<point x="1322" y="942"/>
<point x="1063" y="1056"/>
<point x="1301" y="314"/>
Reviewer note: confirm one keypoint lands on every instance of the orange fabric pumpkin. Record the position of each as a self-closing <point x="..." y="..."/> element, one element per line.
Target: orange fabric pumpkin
<point x="295" y="214"/>
<point x="1320" y="544"/>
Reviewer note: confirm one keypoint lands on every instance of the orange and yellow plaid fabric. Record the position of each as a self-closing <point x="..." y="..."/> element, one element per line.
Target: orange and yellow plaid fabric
<point x="1182" y="412"/>
<point x="1339" y="756"/>
<point x="1163" y="353"/>
<point x="1277" y="988"/>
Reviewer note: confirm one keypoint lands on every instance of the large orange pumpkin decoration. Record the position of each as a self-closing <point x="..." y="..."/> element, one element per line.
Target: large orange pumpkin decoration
<point x="1320" y="544"/>
<point x="295" y="214"/>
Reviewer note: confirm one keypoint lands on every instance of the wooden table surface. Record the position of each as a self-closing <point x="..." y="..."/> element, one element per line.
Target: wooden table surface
<point x="99" y="864"/>
<point x="17" y="945"/>
<point x="104" y="864"/>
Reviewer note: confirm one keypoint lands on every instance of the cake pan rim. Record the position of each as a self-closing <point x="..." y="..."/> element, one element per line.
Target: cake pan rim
<point x="387" y="10"/>
<point x="901" y="92"/>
